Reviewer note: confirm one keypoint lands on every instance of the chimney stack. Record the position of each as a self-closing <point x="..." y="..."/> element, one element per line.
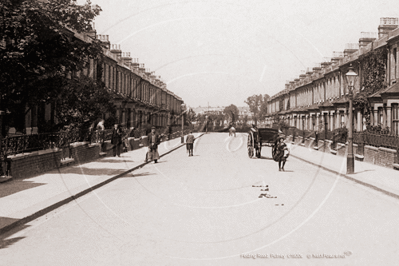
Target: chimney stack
<point x="127" y="60"/>
<point x="386" y="25"/>
<point x="366" y="38"/>
<point x="141" y="68"/>
<point x="350" y="48"/>
<point x="337" y="56"/>
<point x="116" y="50"/>
<point x="104" y="40"/>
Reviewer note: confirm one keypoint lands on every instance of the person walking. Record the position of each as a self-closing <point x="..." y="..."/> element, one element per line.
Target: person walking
<point x="153" y="142"/>
<point x="233" y="131"/>
<point x="116" y="140"/>
<point x="282" y="153"/>
<point x="190" y="143"/>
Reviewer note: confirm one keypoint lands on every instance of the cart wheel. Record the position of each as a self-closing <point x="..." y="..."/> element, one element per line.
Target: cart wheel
<point x="250" y="152"/>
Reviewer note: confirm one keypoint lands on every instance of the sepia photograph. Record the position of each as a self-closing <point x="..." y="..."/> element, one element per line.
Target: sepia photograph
<point x="199" y="132"/>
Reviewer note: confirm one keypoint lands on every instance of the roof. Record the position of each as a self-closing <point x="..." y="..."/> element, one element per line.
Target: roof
<point x="326" y="104"/>
<point x="343" y="99"/>
<point x="394" y="88"/>
<point x="313" y="107"/>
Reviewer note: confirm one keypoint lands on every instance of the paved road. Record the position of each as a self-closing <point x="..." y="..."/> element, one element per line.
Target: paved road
<point x="206" y="210"/>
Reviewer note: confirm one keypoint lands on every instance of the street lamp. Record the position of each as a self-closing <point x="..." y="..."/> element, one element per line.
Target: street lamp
<point x="350" y="161"/>
<point x="183" y="108"/>
<point x="206" y="124"/>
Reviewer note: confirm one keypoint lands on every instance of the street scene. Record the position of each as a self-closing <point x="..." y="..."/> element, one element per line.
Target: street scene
<point x="201" y="132"/>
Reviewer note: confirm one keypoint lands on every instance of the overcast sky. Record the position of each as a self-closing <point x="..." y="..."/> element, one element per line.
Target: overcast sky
<point x="220" y="51"/>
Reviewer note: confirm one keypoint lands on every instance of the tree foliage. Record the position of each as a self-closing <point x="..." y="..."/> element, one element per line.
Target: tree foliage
<point x="82" y="99"/>
<point x="373" y="66"/>
<point x="41" y="50"/>
<point x="258" y="105"/>
<point x="190" y="116"/>
<point x="231" y="112"/>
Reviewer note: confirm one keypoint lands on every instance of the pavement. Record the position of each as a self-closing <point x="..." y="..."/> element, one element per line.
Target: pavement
<point x="23" y="200"/>
<point x="377" y="177"/>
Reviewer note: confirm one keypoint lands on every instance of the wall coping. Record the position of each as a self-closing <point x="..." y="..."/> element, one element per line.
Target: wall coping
<point x="94" y="144"/>
<point x="21" y="156"/>
<point x="371" y="147"/>
<point x="77" y="144"/>
<point x="387" y="149"/>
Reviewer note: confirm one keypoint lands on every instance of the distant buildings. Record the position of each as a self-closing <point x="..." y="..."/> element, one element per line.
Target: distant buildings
<point x="243" y="112"/>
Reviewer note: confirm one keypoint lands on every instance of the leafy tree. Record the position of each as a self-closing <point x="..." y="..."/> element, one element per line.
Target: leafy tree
<point x="245" y="120"/>
<point x="263" y="107"/>
<point x="231" y="112"/>
<point x="257" y="106"/>
<point x="82" y="99"/>
<point x="40" y="49"/>
<point x="190" y="116"/>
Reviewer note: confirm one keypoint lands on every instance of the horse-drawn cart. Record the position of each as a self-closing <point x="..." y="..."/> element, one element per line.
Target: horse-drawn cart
<point x="261" y="137"/>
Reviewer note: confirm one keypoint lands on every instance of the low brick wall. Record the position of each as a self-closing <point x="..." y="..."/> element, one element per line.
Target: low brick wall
<point x="35" y="163"/>
<point x="32" y="164"/>
<point x="85" y="152"/>
<point x="341" y="149"/>
<point x="370" y="154"/>
<point x="380" y="156"/>
<point x="386" y="157"/>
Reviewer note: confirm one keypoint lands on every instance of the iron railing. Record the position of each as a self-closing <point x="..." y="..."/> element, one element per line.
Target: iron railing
<point x="377" y="140"/>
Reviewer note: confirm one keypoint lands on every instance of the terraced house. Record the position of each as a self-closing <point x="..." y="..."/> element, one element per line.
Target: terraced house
<point x="319" y="97"/>
<point x="140" y="97"/>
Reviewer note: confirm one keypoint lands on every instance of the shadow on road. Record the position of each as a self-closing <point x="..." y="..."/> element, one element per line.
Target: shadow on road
<point x="17" y="185"/>
<point x="5" y="221"/>
<point x="131" y="175"/>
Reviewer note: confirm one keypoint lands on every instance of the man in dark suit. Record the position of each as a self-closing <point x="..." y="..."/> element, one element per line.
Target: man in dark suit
<point x="153" y="142"/>
<point x="116" y="140"/>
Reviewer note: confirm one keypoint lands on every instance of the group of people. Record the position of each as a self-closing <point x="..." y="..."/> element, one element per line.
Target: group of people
<point x="154" y="139"/>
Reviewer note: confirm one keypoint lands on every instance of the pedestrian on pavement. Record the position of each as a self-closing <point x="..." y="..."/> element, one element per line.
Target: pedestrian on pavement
<point x="116" y="140"/>
<point x="190" y="143"/>
<point x="153" y="141"/>
<point x="282" y="153"/>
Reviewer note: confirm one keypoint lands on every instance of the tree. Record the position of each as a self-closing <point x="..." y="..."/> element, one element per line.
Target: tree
<point x="82" y="99"/>
<point x="41" y="50"/>
<point x="245" y="121"/>
<point x="257" y="106"/>
<point x="231" y="112"/>
<point x="263" y="107"/>
<point x="190" y="116"/>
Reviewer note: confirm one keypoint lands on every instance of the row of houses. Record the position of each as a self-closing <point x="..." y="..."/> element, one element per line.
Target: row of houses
<point x="319" y="97"/>
<point x="139" y="95"/>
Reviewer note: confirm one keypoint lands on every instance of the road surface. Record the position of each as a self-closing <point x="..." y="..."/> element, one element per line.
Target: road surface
<point x="209" y="210"/>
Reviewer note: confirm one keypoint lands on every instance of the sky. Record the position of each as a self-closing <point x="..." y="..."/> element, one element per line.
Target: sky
<point x="220" y="52"/>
